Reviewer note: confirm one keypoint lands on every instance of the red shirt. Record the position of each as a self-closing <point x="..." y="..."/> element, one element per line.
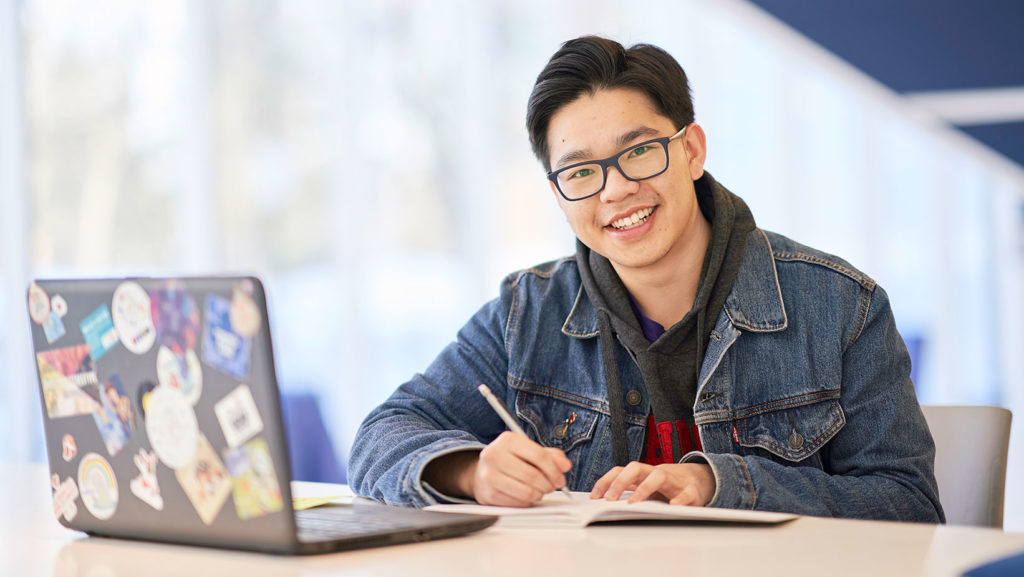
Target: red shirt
<point x="659" y="435"/>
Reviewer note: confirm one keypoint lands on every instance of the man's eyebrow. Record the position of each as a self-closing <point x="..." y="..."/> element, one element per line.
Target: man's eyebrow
<point x="635" y="134"/>
<point x="571" y="157"/>
<point x="585" y="154"/>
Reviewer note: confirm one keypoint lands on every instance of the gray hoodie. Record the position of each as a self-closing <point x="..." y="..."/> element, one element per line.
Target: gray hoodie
<point x="670" y="365"/>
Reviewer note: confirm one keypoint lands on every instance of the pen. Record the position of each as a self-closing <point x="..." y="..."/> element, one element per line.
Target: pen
<point x="499" y="407"/>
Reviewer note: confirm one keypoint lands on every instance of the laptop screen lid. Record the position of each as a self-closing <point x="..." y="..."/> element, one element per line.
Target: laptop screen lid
<point x="161" y="410"/>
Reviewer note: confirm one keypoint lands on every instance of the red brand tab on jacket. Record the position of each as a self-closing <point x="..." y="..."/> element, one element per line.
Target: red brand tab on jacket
<point x="735" y="435"/>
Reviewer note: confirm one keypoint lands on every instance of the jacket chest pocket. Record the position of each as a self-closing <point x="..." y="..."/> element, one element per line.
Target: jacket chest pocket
<point x="557" y="423"/>
<point x="792" y="434"/>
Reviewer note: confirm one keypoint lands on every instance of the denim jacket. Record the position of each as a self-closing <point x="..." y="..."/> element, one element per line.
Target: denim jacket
<point x="804" y="400"/>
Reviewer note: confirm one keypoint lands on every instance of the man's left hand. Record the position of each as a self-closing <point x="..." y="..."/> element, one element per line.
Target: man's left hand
<point x="679" y="483"/>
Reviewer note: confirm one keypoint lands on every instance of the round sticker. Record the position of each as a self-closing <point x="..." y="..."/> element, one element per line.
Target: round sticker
<point x="176" y="318"/>
<point x="59" y="305"/>
<point x="38" y="304"/>
<point x="180" y="372"/>
<point x="171" y="426"/>
<point x="98" y="486"/>
<point x="244" y="314"/>
<point x="133" y="320"/>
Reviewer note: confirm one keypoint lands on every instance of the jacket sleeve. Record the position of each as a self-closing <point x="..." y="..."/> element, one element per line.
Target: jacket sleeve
<point x="880" y="465"/>
<point x="437" y="412"/>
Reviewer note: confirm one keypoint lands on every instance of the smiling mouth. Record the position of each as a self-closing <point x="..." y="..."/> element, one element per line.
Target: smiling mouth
<point x="634" y="220"/>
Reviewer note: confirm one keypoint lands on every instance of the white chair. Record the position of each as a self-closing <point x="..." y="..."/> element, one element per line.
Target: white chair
<point x="971" y="444"/>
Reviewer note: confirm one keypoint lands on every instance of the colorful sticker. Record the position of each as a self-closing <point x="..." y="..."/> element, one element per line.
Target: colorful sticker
<point x="99" y="333"/>
<point x="64" y="496"/>
<point x="172" y="427"/>
<point x="114" y="417"/>
<point x="53" y="328"/>
<point x="182" y="372"/>
<point x="69" y="382"/>
<point x="145" y="486"/>
<point x="59" y="306"/>
<point x="254" y="483"/>
<point x="205" y="481"/>
<point x="133" y="320"/>
<point x="98" y="486"/>
<point x="222" y="346"/>
<point x="245" y="315"/>
<point x="142" y="397"/>
<point x="68" y="447"/>
<point x="239" y="418"/>
<point x="176" y="318"/>
<point x="38" y="304"/>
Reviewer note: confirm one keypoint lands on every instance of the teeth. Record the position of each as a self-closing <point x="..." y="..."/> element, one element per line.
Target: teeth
<point x="633" y="219"/>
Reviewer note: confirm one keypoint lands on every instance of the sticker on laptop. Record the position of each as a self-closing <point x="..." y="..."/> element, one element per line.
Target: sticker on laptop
<point x="182" y="372"/>
<point x="245" y="315"/>
<point x="254" y="482"/>
<point x="53" y="328"/>
<point x="68" y="447"/>
<point x="99" y="333"/>
<point x="133" y="319"/>
<point x="114" y="418"/>
<point x="58" y="306"/>
<point x="145" y="486"/>
<point x="239" y="418"/>
<point x="142" y="397"/>
<point x="64" y="496"/>
<point x="69" y="382"/>
<point x="223" y="347"/>
<point x="98" y="486"/>
<point x="172" y="427"/>
<point x="205" y="481"/>
<point x="38" y="304"/>
<point x="176" y="317"/>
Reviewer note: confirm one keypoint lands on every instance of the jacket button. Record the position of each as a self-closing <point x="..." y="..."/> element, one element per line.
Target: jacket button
<point x="634" y="398"/>
<point x="560" y="430"/>
<point x="796" y="440"/>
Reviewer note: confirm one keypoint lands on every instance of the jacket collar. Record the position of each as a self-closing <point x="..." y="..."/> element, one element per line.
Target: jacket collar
<point x="754" y="303"/>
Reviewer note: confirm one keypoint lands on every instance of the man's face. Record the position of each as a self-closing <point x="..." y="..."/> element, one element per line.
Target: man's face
<point x="600" y="125"/>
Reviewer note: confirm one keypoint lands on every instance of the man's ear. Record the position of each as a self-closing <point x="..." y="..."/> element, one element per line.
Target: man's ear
<point x="696" y="150"/>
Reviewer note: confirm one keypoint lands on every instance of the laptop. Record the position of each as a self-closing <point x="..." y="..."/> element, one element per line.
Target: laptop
<point x="163" y="422"/>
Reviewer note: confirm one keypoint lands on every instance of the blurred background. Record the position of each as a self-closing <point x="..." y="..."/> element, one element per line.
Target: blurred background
<point x="369" y="161"/>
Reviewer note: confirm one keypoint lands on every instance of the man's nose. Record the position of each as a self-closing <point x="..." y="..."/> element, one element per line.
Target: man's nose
<point x="617" y="186"/>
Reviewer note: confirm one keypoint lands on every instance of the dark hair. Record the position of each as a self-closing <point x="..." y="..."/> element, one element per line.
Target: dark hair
<point x="587" y="64"/>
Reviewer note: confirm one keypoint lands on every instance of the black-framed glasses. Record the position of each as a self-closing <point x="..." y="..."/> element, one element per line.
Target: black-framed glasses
<point x="638" y="162"/>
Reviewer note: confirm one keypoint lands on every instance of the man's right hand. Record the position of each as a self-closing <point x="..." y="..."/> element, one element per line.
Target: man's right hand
<point x="512" y="471"/>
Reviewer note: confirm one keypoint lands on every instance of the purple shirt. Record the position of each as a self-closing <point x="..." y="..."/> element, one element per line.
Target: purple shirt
<point x="652" y="329"/>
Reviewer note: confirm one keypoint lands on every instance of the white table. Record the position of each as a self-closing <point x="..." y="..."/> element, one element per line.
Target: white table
<point x="33" y="544"/>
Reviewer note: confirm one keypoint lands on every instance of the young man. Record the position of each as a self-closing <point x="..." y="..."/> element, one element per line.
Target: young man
<point x="682" y="353"/>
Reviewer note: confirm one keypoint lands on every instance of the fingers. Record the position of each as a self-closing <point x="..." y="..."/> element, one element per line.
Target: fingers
<point x="562" y="463"/>
<point x="551" y="463"/>
<point x="505" y="492"/>
<point x="626" y="479"/>
<point x="655" y="482"/>
<point x="515" y="471"/>
<point x="679" y="483"/>
<point x="602" y="484"/>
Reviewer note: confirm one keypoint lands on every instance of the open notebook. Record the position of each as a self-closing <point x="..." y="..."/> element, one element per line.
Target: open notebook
<point x="555" y="510"/>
